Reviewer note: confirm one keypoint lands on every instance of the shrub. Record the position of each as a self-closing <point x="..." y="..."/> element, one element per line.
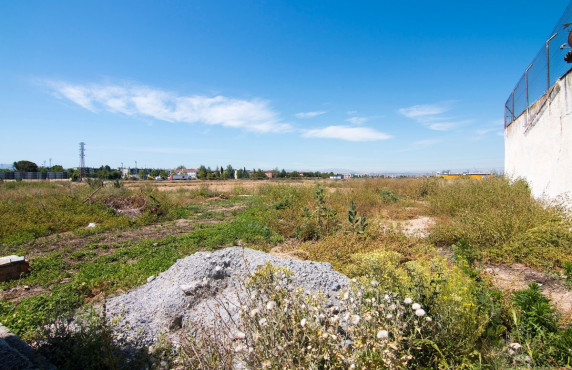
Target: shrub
<point x="536" y="338"/>
<point x="388" y="196"/>
<point x="501" y="222"/>
<point x="90" y="341"/>
<point x="448" y="295"/>
<point x="284" y="327"/>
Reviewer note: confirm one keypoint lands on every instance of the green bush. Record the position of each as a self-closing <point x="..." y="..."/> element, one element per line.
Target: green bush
<point x="536" y="338"/>
<point x="501" y="222"/>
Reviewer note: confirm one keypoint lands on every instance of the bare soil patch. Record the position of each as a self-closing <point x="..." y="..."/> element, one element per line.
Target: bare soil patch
<point x="42" y="246"/>
<point x="131" y="206"/>
<point x="289" y="250"/>
<point x="20" y="292"/>
<point x="415" y="227"/>
<point x="518" y="277"/>
<point x="218" y="186"/>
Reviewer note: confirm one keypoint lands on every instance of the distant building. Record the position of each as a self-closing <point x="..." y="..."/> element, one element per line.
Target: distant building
<point x="190" y="172"/>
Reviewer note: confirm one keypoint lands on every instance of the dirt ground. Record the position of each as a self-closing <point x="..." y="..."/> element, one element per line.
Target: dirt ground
<point x="518" y="277"/>
<point x="223" y="186"/>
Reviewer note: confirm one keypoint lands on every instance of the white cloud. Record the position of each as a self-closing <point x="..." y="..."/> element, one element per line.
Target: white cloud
<point x="252" y="115"/>
<point x="309" y="114"/>
<point x="425" y="110"/>
<point x="442" y="126"/>
<point x="357" y="120"/>
<point x="347" y="133"/>
<point x="431" y="116"/>
<point x="495" y="126"/>
<point x="421" y="144"/>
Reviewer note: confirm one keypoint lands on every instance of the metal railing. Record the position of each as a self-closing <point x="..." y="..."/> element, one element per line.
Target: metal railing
<point x="546" y="68"/>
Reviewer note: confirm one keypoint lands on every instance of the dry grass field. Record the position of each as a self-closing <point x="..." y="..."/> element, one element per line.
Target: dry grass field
<point x="465" y="250"/>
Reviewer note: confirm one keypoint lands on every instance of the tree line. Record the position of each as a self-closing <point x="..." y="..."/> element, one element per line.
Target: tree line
<point x="204" y="173"/>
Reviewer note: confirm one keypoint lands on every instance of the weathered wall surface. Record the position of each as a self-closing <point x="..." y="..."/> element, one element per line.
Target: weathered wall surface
<point x="538" y="145"/>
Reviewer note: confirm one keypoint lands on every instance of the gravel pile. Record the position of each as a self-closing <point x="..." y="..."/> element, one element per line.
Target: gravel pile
<point x="189" y="293"/>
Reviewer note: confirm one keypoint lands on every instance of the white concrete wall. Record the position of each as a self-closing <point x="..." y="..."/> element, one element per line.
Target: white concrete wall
<point x="538" y="148"/>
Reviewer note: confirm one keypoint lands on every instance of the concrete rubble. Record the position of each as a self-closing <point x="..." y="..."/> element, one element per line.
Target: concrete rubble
<point x="189" y="293"/>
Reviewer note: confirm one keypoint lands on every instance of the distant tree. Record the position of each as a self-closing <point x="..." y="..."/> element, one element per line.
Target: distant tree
<point x="163" y="174"/>
<point x="202" y="174"/>
<point x="294" y="174"/>
<point x="228" y="172"/>
<point x="114" y="175"/>
<point x="181" y="167"/>
<point x="283" y="173"/>
<point x="142" y="175"/>
<point x="57" y="168"/>
<point x="258" y="174"/>
<point x="26" y="166"/>
<point x="154" y="173"/>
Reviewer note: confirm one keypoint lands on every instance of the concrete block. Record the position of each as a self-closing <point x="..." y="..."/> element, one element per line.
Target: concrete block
<point x="13" y="267"/>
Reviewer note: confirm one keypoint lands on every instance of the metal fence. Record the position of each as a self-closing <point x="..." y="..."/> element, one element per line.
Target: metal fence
<point x="546" y="68"/>
<point x="34" y="175"/>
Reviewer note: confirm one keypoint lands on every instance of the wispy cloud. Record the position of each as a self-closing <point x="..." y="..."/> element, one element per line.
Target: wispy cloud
<point x="431" y="116"/>
<point x="425" y="110"/>
<point x="358" y="120"/>
<point x="495" y="126"/>
<point x="135" y="100"/>
<point x="347" y="133"/>
<point x="309" y="114"/>
<point x="420" y="145"/>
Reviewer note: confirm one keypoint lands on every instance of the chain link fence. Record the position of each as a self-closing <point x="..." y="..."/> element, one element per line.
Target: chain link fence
<point x="530" y="93"/>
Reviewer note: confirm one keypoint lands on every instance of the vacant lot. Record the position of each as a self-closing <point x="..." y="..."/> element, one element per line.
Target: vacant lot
<point x="443" y="244"/>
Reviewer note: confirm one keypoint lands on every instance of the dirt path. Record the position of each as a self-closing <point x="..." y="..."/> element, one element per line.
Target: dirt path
<point x="43" y="246"/>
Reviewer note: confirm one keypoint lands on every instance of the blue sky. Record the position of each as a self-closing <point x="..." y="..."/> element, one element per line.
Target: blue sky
<point x="373" y="86"/>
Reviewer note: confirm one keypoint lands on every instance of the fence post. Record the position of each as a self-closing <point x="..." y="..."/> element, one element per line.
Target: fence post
<point x="548" y="61"/>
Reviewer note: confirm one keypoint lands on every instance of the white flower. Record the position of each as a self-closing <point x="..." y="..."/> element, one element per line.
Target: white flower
<point x="346" y="317"/>
<point x="240" y="348"/>
<point x="420" y="312"/>
<point x="303" y="323"/>
<point x="262" y="321"/>
<point x="389" y="316"/>
<point x="239" y="335"/>
<point x="270" y="305"/>
<point x="354" y="319"/>
<point x="408" y="300"/>
<point x="428" y="319"/>
<point x="374" y="283"/>
<point x="387" y="297"/>
<point x="415" y="306"/>
<point x="382" y="334"/>
<point x="515" y="346"/>
<point x="346" y="295"/>
<point x="392" y="307"/>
